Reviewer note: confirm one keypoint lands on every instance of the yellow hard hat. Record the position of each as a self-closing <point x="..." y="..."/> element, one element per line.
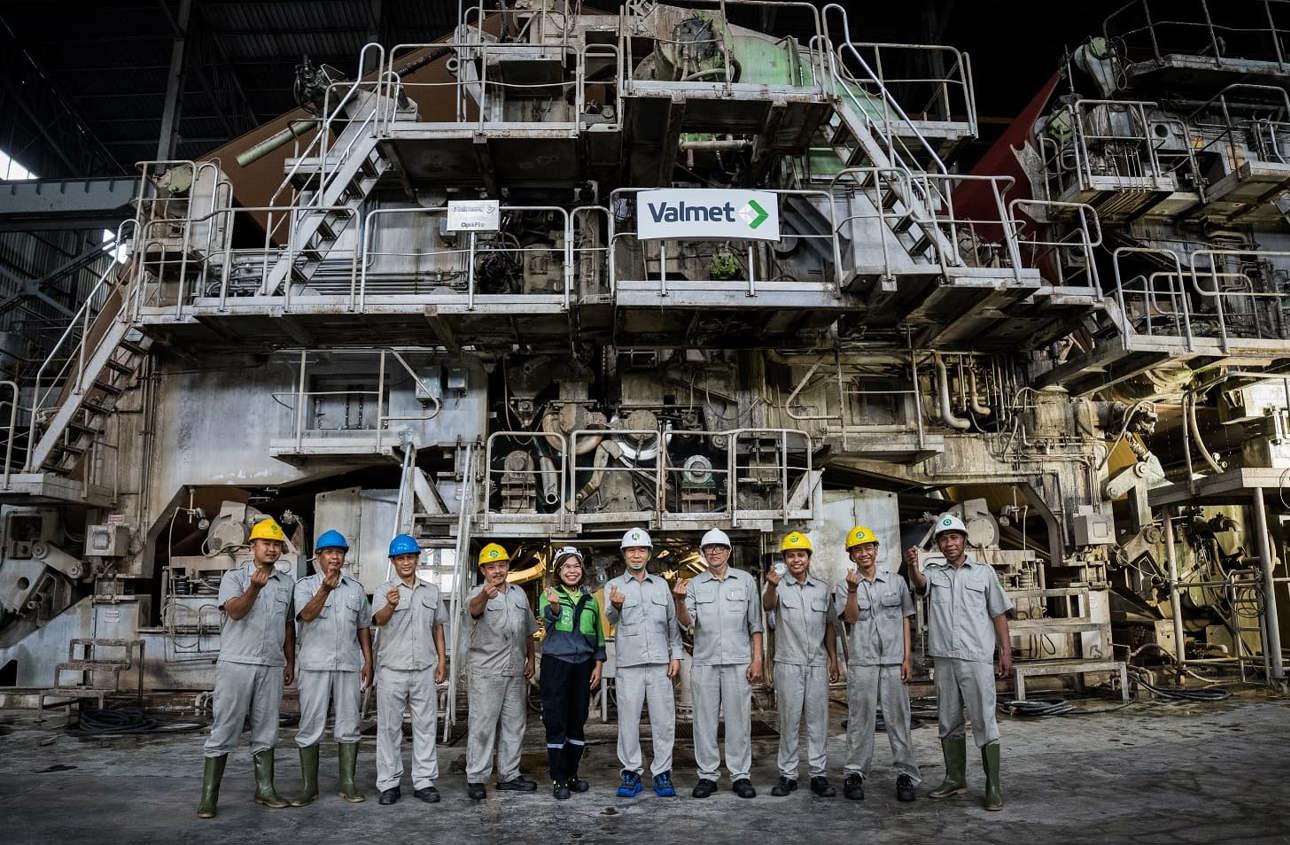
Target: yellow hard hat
<point x="860" y="535"/>
<point x="268" y="529"/>
<point x="492" y="553"/>
<point x="796" y="540"/>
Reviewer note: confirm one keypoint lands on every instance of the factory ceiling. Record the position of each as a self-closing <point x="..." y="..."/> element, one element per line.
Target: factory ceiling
<point x="85" y="83"/>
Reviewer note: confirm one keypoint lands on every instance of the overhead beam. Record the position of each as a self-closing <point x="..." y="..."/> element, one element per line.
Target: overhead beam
<point x="174" y="80"/>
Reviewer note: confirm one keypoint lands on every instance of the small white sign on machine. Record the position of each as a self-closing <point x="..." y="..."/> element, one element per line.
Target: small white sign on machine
<point x="472" y="216"/>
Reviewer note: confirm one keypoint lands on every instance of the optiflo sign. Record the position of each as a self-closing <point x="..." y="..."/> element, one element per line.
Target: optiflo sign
<point x="701" y="213"/>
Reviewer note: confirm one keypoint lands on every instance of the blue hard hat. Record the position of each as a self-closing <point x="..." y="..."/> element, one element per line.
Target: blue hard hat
<point x="331" y="540"/>
<point x="404" y="545"/>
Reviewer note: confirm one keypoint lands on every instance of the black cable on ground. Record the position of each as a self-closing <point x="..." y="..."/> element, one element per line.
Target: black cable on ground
<point x="1213" y="693"/>
<point x="95" y="722"/>
<point x="1036" y="707"/>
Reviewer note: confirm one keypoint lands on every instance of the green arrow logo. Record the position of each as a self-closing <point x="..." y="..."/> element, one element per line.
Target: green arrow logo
<point x="759" y="214"/>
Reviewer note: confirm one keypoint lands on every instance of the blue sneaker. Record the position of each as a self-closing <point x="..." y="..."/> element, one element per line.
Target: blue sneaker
<point x="663" y="787"/>
<point x="631" y="786"/>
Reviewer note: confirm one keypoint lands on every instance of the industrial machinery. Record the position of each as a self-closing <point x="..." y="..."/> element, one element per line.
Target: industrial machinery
<point x="562" y="272"/>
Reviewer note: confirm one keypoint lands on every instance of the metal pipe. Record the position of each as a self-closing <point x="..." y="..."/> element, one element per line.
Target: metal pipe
<point x="974" y="398"/>
<point x="1175" y="595"/>
<point x="550" y="479"/>
<point x="1271" y="622"/>
<point x="947" y="412"/>
<point x="733" y="144"/>
<point x="278" y="139"/>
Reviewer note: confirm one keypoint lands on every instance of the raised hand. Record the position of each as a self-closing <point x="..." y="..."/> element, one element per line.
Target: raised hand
<point x="259" y="578"/>
<point x="853" y="580"/>
<point x="553" y="599"/>
<point x="616" y="597"/>
<point x="331" y="580"/>
<point x="393" y="597"/>
<point x="679" y="586"/>
<point x="773" y="576"/>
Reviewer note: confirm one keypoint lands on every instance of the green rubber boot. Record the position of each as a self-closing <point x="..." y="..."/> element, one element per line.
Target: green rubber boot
<point x="264" y="792"/>
<point x="993" y="789"/>
<point x="954" y="749"/>
<point x="309" y="773"/>
<point x="211" y="775"/>
<point x="347" y="752"/>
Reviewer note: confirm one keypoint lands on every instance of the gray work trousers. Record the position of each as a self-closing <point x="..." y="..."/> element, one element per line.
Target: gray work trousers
<point x="498" y="715"/>
<point x="717" y="689"/>
<point x="398" y="690"/>
<point x="965" y="684"/>
<point x="802" y="691"/>
<point x="634" y="687"/>
<point x="868" y="688"/>
<point x="317" y="688"/>
<point x="242" y="688"/>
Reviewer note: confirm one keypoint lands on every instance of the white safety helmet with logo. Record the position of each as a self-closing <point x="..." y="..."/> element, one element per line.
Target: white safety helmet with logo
<point x="564" y="553"/>
<point x="637" y="538"/>
<point x="949" y="522"/>
<point x="715" y="537"/>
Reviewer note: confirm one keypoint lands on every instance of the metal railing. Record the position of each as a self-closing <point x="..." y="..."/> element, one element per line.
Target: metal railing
<point x="528" y="488"/>
<point x="1103" y="139"/>
<point x="934" y="95"/>
<point x="746" y="473"/>
<point x="1264" y="134"/>
<point x="487" y="251"/>
<point x="482" y="101"/>
<point x="1235" y="29"/>
<point x="756" y="265"/>
<point x="305" y="404"/>
<point x="72" y="347"/>
<point x="1067" y="257"/>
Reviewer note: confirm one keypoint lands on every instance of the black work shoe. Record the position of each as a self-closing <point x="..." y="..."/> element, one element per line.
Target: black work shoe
<point x="390" y="796"/>
<point x="905" y="788"/>
<point x="475" y="791"/>
<point x="783" y="787"/>
<point x="517" y="784"/>
<point x="428" y="794"/>
<point x="561" y="791"/>
<point x="703" y="788"/>
<point x="578" y="785"/>
<point x="744" y="788"/>
<point x="821" y="787"/>
<point x="853" y="787"/>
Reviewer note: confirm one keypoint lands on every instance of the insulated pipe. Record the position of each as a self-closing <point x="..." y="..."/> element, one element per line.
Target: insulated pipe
<point x="1271" y="621"/>
<point x="550" y="480"/>
<point x="735" y="144"/>
<point x="1195" y="433"/>
<point x="1175" y="594"/>
<point x="947" y="412"/>
<point x="975" y="398"/>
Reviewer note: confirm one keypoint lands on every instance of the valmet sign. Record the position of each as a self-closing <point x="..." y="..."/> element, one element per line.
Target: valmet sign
<point x="701" y="213"/>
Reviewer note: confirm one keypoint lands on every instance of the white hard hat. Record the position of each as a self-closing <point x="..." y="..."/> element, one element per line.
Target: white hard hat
<point x="715" y="537"/>
<point x="565" y="552"/>
<point x="637" y="537"/>
<point x="949" y="522"/>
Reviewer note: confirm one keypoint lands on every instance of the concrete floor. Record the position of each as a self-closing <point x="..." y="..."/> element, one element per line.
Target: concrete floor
<point x="1149" y="773"/>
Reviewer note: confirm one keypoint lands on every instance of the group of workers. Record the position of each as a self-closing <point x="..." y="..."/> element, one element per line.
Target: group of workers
<point x="333" y="657"/>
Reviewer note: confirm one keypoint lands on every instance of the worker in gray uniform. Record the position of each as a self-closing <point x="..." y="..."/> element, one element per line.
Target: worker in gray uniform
<point x="966" y="622"/>
<point x="500" y="662"/>
<point x="876" y="606"/>
<point x="411" y="662"/>
<point x="722" y="608"/>
<point x="648" y="656"/>
<point x="256" y="659"/>
<point x="804" y="653"/>
<point x="334" y="659"/>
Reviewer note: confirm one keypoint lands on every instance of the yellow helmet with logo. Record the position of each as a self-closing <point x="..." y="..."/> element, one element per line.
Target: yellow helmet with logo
<point x="796" y="540"/>
<point x="492" y="553"/>
<point x="268" y="529"/>
<point x="860" y="535"/>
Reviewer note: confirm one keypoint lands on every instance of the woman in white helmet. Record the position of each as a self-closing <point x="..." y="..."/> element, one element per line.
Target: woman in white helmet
<point x="573" y="654"/>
